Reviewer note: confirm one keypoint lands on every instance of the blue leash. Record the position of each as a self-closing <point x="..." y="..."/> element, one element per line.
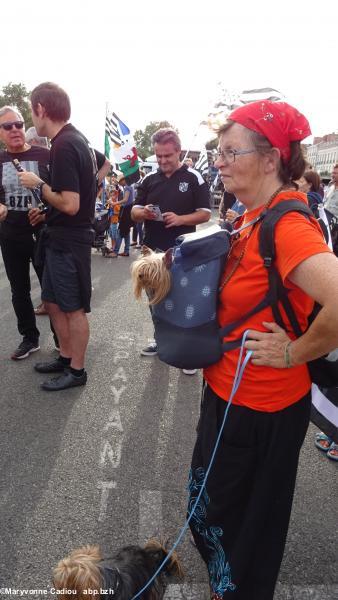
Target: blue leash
<point x="237" y="380"/>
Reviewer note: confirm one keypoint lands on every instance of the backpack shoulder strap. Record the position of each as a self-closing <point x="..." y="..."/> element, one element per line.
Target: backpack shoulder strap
<point x="267" y="249"/>
<point x="277" y="292"/>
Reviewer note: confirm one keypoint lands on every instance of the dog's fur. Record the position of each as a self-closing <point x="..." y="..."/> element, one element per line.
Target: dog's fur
<point x="126" y="573"/>
<point x="151" y="273"/>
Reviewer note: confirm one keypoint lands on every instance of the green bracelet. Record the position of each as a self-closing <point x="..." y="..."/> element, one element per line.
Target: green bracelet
<point x="287" y="357"/>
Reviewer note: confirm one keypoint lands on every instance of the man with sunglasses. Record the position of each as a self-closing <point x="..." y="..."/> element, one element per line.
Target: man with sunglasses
<point x="17" y="235"/>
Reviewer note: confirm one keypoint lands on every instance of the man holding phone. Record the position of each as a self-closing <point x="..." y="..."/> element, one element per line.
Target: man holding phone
<point x="171" y="201"/>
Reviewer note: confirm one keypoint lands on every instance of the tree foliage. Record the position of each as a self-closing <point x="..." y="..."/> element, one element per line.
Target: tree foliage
<point x="16" y="94"/>
<point x="143" y="137"/>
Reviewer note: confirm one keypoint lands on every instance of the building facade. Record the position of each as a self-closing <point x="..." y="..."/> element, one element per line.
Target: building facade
<point x="323" y="154"/>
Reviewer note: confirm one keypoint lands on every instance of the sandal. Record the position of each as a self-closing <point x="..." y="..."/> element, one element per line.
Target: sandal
<point x="333" y="451"/>
<point x="110" y="255"/>
<point x="323" y="442"/>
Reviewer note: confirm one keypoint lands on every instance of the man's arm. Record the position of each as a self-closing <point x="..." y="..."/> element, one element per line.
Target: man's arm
<point x="104" y="170"/>
<point x="66" y="202"/>
<point x="142" y="213"/>
<point x="195" y="218"/>
<point x="141" y="210"/>
<point x="3" y="212"/>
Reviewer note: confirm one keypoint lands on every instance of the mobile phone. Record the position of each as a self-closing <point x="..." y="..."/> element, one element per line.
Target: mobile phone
<point x="157" y="212"/>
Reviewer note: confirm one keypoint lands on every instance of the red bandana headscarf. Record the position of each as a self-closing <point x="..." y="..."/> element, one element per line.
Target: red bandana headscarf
<point x="279" y="122"/>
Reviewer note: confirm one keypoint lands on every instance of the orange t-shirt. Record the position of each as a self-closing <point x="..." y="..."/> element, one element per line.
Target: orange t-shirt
<point x="114" y="217"/>
<point x="296" y="238"/>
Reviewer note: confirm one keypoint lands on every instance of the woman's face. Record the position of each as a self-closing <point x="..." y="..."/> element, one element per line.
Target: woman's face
<point x="241" y="174"/>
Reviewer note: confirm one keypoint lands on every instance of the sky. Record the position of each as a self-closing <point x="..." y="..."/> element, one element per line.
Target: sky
<point x="152" y="60"/>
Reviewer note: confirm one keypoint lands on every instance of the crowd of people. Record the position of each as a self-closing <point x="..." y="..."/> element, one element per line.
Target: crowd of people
<point x="46" y="214"/>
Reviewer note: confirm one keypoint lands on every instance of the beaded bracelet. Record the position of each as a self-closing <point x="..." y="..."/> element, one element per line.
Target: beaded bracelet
<point x="287" y="357"/>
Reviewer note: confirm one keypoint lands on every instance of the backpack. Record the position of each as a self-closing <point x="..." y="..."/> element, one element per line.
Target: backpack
<point x="186" y="328"/>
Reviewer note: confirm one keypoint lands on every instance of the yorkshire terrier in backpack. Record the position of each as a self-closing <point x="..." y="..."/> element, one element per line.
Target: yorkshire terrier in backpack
<point x="151" y="273"/>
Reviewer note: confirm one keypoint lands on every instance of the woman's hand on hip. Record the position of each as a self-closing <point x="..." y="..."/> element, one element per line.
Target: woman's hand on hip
<point x="269" y="347"/>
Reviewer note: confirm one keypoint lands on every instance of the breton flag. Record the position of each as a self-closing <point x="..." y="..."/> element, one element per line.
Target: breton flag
<point x="111" y="134"/>
<point x="120" y="147"/>
<point x="228" y="100"/>
<point x="261" y="94"/>
<point x="202" y="164"/>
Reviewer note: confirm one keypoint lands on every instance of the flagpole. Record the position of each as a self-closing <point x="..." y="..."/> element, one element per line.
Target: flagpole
<point x="104" y="179"/>
<point x="208" y="107"/>
<point x="189" y="147"/>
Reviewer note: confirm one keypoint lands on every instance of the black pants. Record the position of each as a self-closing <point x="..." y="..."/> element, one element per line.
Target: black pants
<point x="241" y="521"/>
<point x="17" y="256"/>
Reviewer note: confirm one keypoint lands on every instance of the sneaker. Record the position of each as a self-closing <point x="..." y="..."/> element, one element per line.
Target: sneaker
<point x="64" y="381"/>
<point x="189" y="371"/>
<point x="25" y="349"/>
<point x="138" y="246"/>
<point x="150" y="350"/>
<point x="132" y="243"/>
<point x="52" y="366"/>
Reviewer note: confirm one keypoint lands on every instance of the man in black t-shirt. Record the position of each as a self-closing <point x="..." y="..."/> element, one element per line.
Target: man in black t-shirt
<point x="17" y="236"/>
<point x="171" y="201"/>
<point x="66" y="288"/>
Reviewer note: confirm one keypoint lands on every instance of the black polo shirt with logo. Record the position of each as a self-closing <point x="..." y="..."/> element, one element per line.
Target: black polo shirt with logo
<point x="184" y="192"/>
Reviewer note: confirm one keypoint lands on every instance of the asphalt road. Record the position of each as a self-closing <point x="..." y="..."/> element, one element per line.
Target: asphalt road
<point x="108" y="463"/>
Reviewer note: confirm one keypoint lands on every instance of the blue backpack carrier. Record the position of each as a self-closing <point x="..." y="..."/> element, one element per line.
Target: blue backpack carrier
<point x="186" y="327"/>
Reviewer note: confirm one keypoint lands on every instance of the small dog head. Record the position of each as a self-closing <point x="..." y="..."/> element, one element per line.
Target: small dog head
<point x="127" y="572"/>
<point x="79" y="571"/>
<point x="151" y="273"/>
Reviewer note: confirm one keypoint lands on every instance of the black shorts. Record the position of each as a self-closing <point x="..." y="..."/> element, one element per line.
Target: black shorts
<point x="61" y="282"/>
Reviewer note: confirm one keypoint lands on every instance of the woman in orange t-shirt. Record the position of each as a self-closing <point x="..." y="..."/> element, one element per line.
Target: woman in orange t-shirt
<point x="241" y="522"/>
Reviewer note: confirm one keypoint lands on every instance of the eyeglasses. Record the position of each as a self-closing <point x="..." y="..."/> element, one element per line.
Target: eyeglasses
<point x="229" y="155"/>
<point x="9" y="126"/>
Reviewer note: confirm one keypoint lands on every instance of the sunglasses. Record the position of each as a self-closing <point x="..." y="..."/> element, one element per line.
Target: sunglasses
<point x="9" y="126"/>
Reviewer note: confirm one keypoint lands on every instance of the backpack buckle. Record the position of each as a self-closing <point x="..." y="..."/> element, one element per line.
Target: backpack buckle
<point x="267" y="261"/>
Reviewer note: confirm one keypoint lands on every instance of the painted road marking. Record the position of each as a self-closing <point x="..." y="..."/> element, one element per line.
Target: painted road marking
<point x="150" y="516"/>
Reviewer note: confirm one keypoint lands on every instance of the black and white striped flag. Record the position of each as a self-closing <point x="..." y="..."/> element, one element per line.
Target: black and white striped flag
<point x="247" y="96"/>
<point x="112" y="133"/>
<point x="228" y="100"/>
<point x="202" y="164"/>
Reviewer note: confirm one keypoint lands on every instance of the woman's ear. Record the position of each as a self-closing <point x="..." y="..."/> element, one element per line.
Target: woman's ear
<point x="272" y="160"/>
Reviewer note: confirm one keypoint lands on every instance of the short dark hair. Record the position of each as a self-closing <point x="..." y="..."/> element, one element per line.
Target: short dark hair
<point x="54" y="100"/>
<point x="166" y="135"/>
